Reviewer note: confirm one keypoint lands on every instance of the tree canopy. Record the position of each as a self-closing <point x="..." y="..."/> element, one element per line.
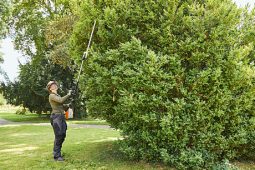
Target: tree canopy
<point x="40" y="32"/>
<point x="4" y="15"/>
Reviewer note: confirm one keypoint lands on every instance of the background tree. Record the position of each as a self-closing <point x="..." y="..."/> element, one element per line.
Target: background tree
<point x="36" y="27"/>
<point x="182" y="90"/>
<point x="34" y="96"/>
<point x="4" y="15"/>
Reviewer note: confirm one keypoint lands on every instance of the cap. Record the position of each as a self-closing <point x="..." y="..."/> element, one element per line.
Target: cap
<point x="50" y="83"/>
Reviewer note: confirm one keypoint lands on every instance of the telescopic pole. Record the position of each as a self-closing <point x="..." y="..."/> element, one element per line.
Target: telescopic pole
<point x="85" y="54"/>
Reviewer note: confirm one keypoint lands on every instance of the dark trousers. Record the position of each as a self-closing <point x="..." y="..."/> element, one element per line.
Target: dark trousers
<point x="58" y="123"/>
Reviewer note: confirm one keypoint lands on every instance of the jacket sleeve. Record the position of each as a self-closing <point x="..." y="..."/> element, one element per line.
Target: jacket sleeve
<point x="59" y="99"/>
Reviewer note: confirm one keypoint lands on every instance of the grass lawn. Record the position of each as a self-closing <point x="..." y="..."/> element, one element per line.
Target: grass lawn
<point x="30" y="147"/>
<point x="89" y="122"/>
<point x="33" y="118"/>
<point x="43" y="118"/>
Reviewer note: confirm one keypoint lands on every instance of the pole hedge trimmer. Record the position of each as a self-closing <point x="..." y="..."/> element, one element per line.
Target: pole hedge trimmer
<point x="84" y="57"/>
<point x="85" y="54"/>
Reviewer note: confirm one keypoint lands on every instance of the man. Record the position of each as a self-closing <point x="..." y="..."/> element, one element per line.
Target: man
<point x="57" y="118"/>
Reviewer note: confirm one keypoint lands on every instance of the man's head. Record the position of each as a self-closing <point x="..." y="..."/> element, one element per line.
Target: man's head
<point x="52" y="85"/>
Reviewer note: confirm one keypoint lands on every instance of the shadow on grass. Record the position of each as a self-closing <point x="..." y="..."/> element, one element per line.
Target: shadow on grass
<point x="106" y="155"/>
<point x="246" y="162"/>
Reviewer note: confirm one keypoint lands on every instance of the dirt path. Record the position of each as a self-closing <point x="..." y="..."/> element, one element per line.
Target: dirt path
<point x="4" y="122"/>
<point x="89" y="126"/>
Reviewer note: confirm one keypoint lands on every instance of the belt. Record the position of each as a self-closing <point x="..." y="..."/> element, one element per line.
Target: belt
<point x="57" y="113"/>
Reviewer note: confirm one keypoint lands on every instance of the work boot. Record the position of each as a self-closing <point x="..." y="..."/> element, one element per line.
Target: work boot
<point x="59" y="159"/>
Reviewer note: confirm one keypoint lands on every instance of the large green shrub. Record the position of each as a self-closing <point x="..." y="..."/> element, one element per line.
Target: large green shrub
<point x="182" y="89"/>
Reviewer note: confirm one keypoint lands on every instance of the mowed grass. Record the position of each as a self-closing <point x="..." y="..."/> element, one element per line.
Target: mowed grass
<point x="30" y="147"/>
<point x="44" y="118"/>
<point x="31" y="118"/>
<point x="25" y="146"/>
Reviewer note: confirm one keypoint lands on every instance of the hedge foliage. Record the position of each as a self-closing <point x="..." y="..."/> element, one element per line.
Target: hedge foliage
<point x="176" y="77"/>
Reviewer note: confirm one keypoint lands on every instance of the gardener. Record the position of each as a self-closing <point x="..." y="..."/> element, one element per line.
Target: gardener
<point x="57" y="118"/>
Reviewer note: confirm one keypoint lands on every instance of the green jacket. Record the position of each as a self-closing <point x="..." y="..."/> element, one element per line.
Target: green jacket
<point x="57" y="103"/>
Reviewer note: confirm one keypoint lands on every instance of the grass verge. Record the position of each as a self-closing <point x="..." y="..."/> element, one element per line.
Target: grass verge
<point x="43" y="118"/>
<point x="30" y="147"/>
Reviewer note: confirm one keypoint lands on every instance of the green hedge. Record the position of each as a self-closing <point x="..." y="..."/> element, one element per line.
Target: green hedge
<point x="182" y="89"/>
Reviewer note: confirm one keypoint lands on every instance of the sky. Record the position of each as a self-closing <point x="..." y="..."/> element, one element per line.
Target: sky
<point x="11" y="56"/>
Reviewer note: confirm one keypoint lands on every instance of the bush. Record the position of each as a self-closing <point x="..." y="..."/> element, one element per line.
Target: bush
<point x="2" y="100"/>
<point x="21" y="111"/>
<point x="182" y="91"/>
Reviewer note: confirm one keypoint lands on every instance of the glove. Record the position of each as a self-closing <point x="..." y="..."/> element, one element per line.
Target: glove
<point x="67" y="106"/>
<point x="69" y="92"/>
<point x="73" y="93"/>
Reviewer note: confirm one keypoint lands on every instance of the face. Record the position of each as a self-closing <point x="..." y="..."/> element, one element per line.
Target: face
<point x="53" y="87"/>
